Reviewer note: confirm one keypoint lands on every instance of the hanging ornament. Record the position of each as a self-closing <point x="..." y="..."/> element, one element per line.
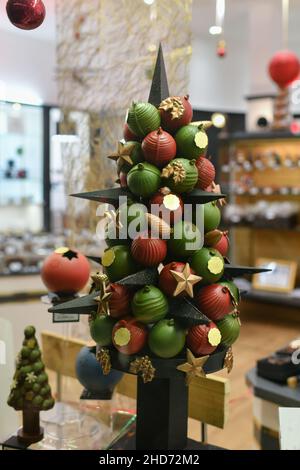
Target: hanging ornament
<point x="206" y="173"/>
<point x="215" y="301"/>
<point x="144" y="179"/>
<point x="178" y="279"/>
<point x="185" y="239"/>
<point x="129" y="336"/>
<point x="166" y="339"/>
<point x="100" y="284"/>
<point x="176" y="112"/>
<point x="203" y="339"/>
<point x="148" y="251"/>
<point x="128" y="135"/>
<point x="144" y="367"/>
<point x="127" y="155"/>
<point x="228" y="360"/>
<point x="119" y="301"/>
<point x="143" y="118"/>
<point x="221" y="48"/>
<point x="230" y="328"/>
<point x="170" y="205"/>
<point x="118" y="263"/>
<point x="149" y="305"/>
<point x="209" y="264"/>
<point x="193" y="367"/>
<point x="180" y="175"/>
<point x="26" y="14"/>
<point x="159" y="148"/>
<point x="192" y="141"/>
<point x="103" y="357"/>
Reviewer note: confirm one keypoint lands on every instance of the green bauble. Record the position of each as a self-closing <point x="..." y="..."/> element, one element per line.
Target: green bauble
<point x="209" y="264"/>
<point x="149" y="305"/>
<point x="135" y="154"/>
<point x="133" y="215"/>
<point x="25" y="352"/>
<point x="212" y="216"/>
<point x="115" y="236"/>
<point x="192" y="141"/>
<point x="144" y="180"/>
<point x="118" y="263"/>
<point x="42" y="378"/>
<point x="229" y="327"/>
<point x="29" y="332"/>
<point x="183" y="237"/>
<point x="166" y="339"/>
<point x="234" y="290"/>
<point x="37" y="401"/>
<point x="38" y="367"/>
<point x="101" y="329"/>
<point x="180" y="175"/>
<point x="35" y="355"/>
<point x="143" y="118"/>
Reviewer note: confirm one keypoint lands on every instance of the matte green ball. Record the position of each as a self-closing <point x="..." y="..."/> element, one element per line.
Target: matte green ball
<point x="26" y="370"/>
<point x="183" y="237"/>
<point x="122" y="264"/>
<point x="35" y="354"/>
<point x="42" y="378"/>
<point x="149" y="305"/>
<point x="28" y="386"/>
<point x="234" y="290"/>
<point x="29" y="332"/>
<point x="101" y="330"/>
<point x="192" y="141"/>
<point x="143" y="118"/>
<point x="36" y="387"/>
<point x="203" y="263"/>
<point x="47" y="404"/>
<point x="25" y="352"/>
<point x="133" y="214"/>
<point x="144" y="180"/>
<point x="37" y="401"/>
<point x="166" y="339"/>
<point x="38" y="367"/>
<point x="45" y="390"/>
<point x="230" y="328"/>
<point x="190" y="179"/>
<point x="212" y="216"/>
<point x="136" y="156"/>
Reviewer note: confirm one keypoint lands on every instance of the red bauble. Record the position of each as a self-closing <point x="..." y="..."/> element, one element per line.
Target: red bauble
<point x="223" y="245"/>
<point x="129" y="336"/>
<point x="119" y="302"/>
<point x="123" y="179"/>
<point x="159" y="148"/>
<point x="167" y="283"/>
<point x="284" y="68"/>
<point x="176" y="111"/>
<point x="171" y="206"/>
<point x="65" y="271"/>
<point x="26" y="14"/>
<point x="203" y="339"/>
<point x="128" y="135"/>
<point x="206" y="173"/>
<point x="148" y="251"/>
<point x="214" y="301"/>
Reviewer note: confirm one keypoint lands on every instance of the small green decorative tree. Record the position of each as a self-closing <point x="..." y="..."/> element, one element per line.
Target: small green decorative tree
<point x="30" y="390"/>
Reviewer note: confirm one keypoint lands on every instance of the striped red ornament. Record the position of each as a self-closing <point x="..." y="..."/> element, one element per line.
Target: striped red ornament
<point x="128" y="135"/>
<point x="223" y="245"/>
<point x="206" y="173"/>
<point x="119" y="301"/>
<point x="159" y="148"/>
<point x="203" y="339"/>
<point x="148" y="251"/>
<point x="215" y="301"/>
<point x="176" y="112"/>
<point x="129" y="336"/>
<point x="167" y="282"/>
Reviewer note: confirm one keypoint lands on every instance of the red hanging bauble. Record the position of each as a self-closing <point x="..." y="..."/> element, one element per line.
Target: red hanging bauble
<point x="184" y="286"/>
<point x="284" y="68"/>
<point x="170" y="203"/>
<point x="123" y="179"/>
<point x="148" y="251"/>
<point x="26" y="14"/>
<point x="223" y="245"/>
<point x="176" y="112"/>
<point x="206" y="173"/>
<point x="221" y="48"/>
<point x="119" y="301"/>
<point x="203" y="339"/>
<point x="215" y="301"/>
<point x="159" y="148"/>
<point x="128" y="135"/>
<point x="129" y="336"/>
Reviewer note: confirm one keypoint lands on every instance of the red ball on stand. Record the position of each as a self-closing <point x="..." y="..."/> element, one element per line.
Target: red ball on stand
<point x="203" y="339"/>
<point x="148" y="251"/>
<point x="206" y="173"/>
<point x="171" y="205"/>
<point x="159" y="148"/>
<point x="26" y="14"/>
<point x="284" y="68"/>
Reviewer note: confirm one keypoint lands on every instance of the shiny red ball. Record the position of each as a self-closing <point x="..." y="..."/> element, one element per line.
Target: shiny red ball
<point x="65" y="271"/>
<point x="26" y="14"/>
<point x="167" y="283"/>
<point x="129" y="336"/>
<point x="214" y="301"/>
<point x="223" y="245"/>
<point x="128" y="135"/>
<point x="171" y="206"/>
<point x="284" y="68"/>
<point x="120" y="300"/>
<point x="171" y="123"/>
<point x="206" y="173"/>
<point x="148" y="251"/>
<point x="203" y="339"/>
<point x="159" y="148"/>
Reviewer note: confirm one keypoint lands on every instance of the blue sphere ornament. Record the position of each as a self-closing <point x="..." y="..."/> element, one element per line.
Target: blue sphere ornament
<point x="90" y="375"/>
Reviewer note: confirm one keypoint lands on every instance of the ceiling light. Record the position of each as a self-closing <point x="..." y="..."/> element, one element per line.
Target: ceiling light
<point x="149" y="2"/>
<point x="17" y="107"/>
<point x="218" y="120"/>
<point x="214" y="30"/>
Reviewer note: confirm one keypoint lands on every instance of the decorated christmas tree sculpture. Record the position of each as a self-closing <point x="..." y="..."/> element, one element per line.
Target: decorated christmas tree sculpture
<point x="165" y="307"/>
<point x="30" y="390"/>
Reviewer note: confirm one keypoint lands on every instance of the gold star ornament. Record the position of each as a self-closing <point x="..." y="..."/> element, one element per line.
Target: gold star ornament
<point x="193" y="367"/>
<point x="100" y="283"/>
<point x="123" y="154"/>
<point x="216" y="189"/>
<point x="185" y="281"/>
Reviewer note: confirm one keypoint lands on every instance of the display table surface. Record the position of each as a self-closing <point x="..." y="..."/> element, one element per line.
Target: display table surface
<point x="22" y="287"/>
<point x="288" y="300"/>
<point x="273" y="392"/>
